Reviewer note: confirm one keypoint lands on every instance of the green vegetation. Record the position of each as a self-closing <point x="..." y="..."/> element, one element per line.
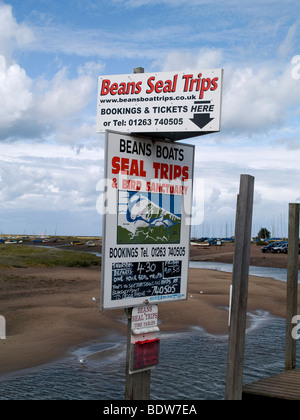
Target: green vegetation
<point x="263" y="234"/>
<point x="154" y="235"/>
<point x="20" y="256"/>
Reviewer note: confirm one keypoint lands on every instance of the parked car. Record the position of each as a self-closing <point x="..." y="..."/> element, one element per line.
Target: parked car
<point x="268" y="248"/>
<point x="285" y="251"/>
<point x="280" y="248"/>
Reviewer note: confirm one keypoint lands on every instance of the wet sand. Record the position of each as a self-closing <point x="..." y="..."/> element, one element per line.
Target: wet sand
<point x="49" y="310"/>
<point x="225" y="253"/>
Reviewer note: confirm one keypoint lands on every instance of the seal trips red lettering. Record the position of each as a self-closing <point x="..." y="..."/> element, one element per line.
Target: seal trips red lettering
<point x="199" y="84"/>
<point x="166" y="87"/>
<point x="126" y="166"/>
<point x="166" y="171"/>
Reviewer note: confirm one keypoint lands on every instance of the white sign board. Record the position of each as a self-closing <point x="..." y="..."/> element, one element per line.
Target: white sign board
<point x="173" y="105"/>
<point x="144" y="317"/>
<point x="146" y="221"/>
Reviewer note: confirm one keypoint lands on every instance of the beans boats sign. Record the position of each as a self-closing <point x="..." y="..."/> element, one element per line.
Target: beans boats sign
<point x="171" y="105"/>
<point x="147" y="217"/>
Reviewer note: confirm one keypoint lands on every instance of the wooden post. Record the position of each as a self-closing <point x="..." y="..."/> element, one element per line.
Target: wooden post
<point x="138" y="70"/>
<point x="236" y="342"/>
<point x="292" y="285"/>
<point x="137" y="385"/>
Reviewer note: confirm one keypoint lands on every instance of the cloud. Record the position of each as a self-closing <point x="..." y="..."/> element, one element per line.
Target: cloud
<point x="49" y="179"/>
<point x="204" y="58"/>
<point x="12" y="34"/>
<point x="36" y="108"/>
<point x="56" y="175"/>
<point x="103" y="44"/>
<point x="287" y="46"/>
<point x="15" y="93"/>
<point x="141" y="3"/>
<point x="170" y="3"/>
<point x="62" y="97"/>
<point x="276" y="173"/>
<point x="80" y="135"/>
<point x="255" y="98"/>
<point x="53" y="184"/>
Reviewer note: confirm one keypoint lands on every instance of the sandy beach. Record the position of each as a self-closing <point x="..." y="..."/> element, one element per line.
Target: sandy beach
<point x="48" y="310"/>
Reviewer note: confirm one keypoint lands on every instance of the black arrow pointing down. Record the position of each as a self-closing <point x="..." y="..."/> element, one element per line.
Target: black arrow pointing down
<point x="201" y="120"/>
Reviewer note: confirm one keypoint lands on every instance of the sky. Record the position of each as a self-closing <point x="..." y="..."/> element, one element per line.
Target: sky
<point x="51" y="54"/>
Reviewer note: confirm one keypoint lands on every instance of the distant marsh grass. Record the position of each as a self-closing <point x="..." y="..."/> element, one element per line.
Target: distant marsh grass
<point x="21" y="256"/>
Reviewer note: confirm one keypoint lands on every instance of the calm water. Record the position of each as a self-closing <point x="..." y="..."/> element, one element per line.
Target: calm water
<point x="271" y="272"/>
<point x="192" y="366"/>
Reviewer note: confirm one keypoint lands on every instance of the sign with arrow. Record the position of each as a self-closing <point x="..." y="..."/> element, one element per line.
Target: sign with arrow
<point x="168" y="105"/>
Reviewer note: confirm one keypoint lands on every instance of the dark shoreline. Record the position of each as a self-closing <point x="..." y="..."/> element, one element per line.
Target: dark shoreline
<point x="222" y="254"/>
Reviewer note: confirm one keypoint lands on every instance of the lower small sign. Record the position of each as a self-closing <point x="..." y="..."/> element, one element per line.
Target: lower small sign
<point x="146" y="354"/>
<point x="144" y="318"/>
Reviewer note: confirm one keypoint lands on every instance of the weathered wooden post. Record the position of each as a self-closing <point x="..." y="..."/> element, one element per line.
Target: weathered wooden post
<point x="137" y="385"/>
<point x="237" y="329"/>
<point x="292" y="285"/>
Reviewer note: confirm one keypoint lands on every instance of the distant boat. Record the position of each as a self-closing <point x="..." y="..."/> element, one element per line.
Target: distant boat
<point x="11" y="241"/>
<point x="77" y="243"/>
